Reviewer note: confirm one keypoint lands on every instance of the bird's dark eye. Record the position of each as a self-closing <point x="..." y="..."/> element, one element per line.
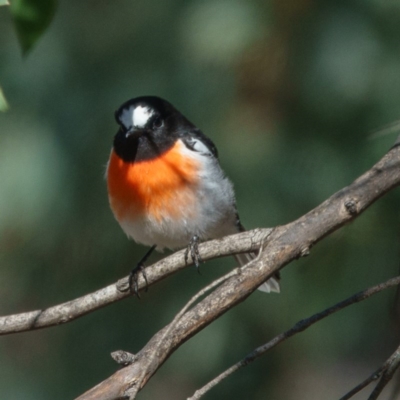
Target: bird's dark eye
<point x="157" y="123"/>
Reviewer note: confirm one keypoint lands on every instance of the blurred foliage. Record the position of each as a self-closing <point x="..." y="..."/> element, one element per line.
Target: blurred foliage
<point x="31" y="18"/>
<point x="3" y="101"/>
<point x="289" y="91"/>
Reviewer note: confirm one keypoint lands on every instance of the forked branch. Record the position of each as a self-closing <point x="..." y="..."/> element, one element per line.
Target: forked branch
<point x="282" y="245"/>
<point x="300" y="327"/>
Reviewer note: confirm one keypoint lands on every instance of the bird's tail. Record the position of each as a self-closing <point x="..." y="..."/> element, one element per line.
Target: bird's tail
<point x="271" y="285"/>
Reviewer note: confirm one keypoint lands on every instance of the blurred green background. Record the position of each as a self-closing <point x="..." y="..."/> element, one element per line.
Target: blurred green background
<point x="290" y="92"/>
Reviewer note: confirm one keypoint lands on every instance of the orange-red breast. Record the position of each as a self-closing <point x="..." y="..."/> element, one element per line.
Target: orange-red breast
<point x="165" y="185"/>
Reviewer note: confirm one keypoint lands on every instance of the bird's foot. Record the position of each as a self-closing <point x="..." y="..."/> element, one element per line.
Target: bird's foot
<point x="134" y="274"/>
<point x="193" y="250"/>
<point x="134" y="279"/>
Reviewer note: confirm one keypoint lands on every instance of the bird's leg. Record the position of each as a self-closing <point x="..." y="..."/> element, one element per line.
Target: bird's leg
<point x="193" y="249"/>
<point x="140" y="267"/>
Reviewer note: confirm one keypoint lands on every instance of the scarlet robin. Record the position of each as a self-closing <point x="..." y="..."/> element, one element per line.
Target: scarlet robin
<point x="165" y="184"/>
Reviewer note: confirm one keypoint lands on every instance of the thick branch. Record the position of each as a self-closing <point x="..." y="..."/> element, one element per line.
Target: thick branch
<point x="283" y="245"/>
<point x="66" y="312"/>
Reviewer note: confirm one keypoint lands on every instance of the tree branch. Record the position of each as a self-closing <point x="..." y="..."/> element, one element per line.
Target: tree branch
<point x="389" y="368"/>
<point x="385" y="371"/>
<point x="297" y="328"/>
<point x="172" y="325"/>
<point x="363" y="384"/>
<point x="282" y="245"/>
<point x="71" y="310"/>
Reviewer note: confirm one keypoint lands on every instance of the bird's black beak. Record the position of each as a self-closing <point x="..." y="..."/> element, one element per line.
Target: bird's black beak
<point x="133" y="132"/>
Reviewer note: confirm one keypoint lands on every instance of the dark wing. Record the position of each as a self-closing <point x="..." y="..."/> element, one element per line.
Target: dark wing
<point x="238" y="224"/>
<point x="196" y="140"/>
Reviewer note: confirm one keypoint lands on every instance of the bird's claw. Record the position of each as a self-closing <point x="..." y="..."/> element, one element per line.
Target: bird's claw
<point x="133" y="279"/>
<point x="193" y="250"/>
<point x="140" y="268"/>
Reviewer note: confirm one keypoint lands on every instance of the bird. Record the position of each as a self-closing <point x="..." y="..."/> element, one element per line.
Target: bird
<point x="166" y="187"/>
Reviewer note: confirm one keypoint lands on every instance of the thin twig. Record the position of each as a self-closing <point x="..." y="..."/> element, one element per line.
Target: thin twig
<point x="394" y="395"/>
<point x="393" y="127"/>
<point x="372" y="377"/>
<point x="391" y="366"/>
<point x="298" y="327"/>
<point x="363" y="384"/>
<point x="393" y="360"/>
<point x="132" y="392"/>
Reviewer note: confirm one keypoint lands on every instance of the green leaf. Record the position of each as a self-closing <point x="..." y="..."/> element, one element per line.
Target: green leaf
<point x="4" y="3"/>
<point x="3" y="102"/>
<point x="31" y="18"/>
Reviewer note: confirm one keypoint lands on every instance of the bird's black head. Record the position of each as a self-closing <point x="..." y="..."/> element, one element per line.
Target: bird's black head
<point x="149" y="126"/>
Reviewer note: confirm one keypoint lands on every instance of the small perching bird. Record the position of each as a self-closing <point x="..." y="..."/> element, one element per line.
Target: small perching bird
<point x="165" y="185"/>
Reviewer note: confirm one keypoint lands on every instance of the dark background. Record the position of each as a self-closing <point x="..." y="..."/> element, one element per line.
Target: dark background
<point x="291" y="93"/>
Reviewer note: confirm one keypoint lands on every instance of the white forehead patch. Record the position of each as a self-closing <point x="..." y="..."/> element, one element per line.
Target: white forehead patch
<point x="135" y="116"/>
